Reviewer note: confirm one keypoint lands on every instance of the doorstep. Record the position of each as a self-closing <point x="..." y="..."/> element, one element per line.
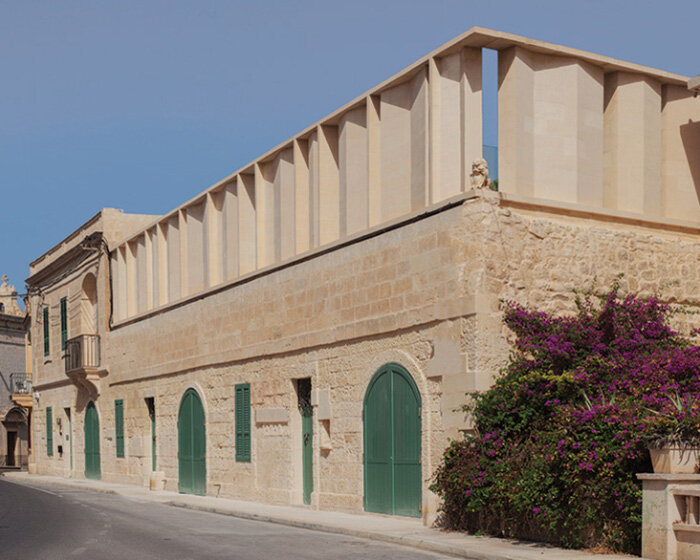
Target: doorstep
<point x="397" y="530"/>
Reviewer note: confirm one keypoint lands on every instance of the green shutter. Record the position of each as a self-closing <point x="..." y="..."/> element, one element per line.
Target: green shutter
<point x="64" y="322"/>
<point x="119" y="424"/>
<point x="49" y="431"/>
<point x="242" y="414"/>
<point x="46" y="331"/>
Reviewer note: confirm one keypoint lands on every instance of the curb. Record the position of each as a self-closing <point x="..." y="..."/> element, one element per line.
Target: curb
<point x="26" y="481"/>
<point x="451" y="550"/>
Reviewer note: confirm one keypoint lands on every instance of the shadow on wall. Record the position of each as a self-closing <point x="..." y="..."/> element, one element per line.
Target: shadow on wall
<point x="82" y="399"/>
<point x="5" y="383"/>
<point x="690" y="136"/>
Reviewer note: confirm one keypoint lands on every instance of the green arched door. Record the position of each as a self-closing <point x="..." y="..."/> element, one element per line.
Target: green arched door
<point x="92" y="442"/>
<point x="191" y="445"/>
<point x="392" y="443"/>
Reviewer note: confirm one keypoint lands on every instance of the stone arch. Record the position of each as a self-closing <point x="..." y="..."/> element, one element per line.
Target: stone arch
<point x="16" y="445"/>
<point x="197" y="388"/>
<point x="406" y="361"/>
<point x="15" y="416"/>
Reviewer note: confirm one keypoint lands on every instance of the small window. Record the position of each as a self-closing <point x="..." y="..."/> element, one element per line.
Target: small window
<point x="119" y="425"/>
<point x="64" y="323"/>
<point x="49" y="431"/>
<point x="46" y="331"/>
<point x="242" y="414"/>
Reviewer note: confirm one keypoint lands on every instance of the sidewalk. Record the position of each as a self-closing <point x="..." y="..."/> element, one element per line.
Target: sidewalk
<point x="403" y="531"/>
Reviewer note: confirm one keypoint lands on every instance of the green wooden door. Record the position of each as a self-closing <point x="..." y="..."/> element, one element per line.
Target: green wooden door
<point x="151" y="405"/>
<point x="191" y="445"/>
<point x="92" y="442"/>
<point x="69" y="435"/>
<point x="153" y="441"/>
<point x="307" y="452"/>
<point x="392" y="443"/>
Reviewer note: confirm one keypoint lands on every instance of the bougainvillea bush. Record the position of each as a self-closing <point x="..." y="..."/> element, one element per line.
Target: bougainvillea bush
<point x="561" y="435"/>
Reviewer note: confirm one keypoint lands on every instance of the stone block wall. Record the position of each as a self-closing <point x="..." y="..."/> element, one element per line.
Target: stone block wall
<point x="12" y="360"/>
<point x="425" y="295"/>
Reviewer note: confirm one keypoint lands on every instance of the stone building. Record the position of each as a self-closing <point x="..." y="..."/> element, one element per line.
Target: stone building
<point x="15" y="385"/>
<point x="304" y="331"/>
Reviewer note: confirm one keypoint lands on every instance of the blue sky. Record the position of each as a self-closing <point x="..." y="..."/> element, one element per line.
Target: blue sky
<point x="141" y="105"/>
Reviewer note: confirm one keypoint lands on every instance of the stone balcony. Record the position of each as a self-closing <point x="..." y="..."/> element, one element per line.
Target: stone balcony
<point x="21" y="389"/>
<point x="82" y="359"/>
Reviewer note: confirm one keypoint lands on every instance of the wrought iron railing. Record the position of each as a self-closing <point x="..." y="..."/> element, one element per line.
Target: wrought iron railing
<point x="19" y="384"/>
<point x="82" y="352"/>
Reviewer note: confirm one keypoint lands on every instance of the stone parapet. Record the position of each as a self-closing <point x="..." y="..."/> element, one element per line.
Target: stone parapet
<point x="573" y="128"/>
<point x="670" y="516"/>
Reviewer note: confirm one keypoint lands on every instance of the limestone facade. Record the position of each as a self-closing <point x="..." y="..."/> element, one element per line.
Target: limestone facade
<point x="359" y="243"/>
<point x="14" y="391"/>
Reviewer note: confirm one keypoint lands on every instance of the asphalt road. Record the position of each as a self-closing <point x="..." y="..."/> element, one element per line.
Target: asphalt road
<point x="56" y="523"/>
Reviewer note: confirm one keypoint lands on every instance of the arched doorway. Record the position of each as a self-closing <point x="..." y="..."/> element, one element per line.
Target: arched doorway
<point x="392" y="443"/>
<point x="92" y="442"/>
<point x="191" y="445"/>
<point x="15" y="453"/>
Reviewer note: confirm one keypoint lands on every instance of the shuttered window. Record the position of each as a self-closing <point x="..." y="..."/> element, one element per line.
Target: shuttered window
<point x="49" y="431"/>
<point x="119" y="425"/>
<point x="64" y="323"/>
<point x="46" y="331"/>
<point x="242" y="411"/>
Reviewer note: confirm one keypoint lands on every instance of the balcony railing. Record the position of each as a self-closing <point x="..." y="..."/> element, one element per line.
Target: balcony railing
<point x="19" y="384"/>
<point x="82" y="352"/>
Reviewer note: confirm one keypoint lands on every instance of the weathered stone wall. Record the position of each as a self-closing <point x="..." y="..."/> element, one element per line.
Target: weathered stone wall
<point x="11" y="357"/>
<point x="11" y="361"/>
<point x="426" y="295"/>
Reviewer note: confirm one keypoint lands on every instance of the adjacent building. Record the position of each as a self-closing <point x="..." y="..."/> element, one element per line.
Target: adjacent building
<point x="305" y="330"/>
<point x="70" y="310"/>
<point x="15" y="382"/>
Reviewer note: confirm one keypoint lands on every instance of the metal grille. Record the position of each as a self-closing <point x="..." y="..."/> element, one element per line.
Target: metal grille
<point x="20" y="384"/>
<point x="304" y="395"/>
<point x="82" y="351"/>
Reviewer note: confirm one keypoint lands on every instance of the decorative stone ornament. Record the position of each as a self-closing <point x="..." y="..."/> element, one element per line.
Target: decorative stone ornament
<point x="8" y="298"/>
<point x="480" y="174"/>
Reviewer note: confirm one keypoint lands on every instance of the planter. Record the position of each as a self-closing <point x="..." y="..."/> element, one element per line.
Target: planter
<point x="675" y="459"/>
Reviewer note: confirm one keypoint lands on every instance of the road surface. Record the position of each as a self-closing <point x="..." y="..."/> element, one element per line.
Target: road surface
<point x="56" y="523"/>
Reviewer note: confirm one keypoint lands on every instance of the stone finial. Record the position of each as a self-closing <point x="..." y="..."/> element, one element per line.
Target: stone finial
<point x="8" y="298"/>
<point x="480" y="174"/>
